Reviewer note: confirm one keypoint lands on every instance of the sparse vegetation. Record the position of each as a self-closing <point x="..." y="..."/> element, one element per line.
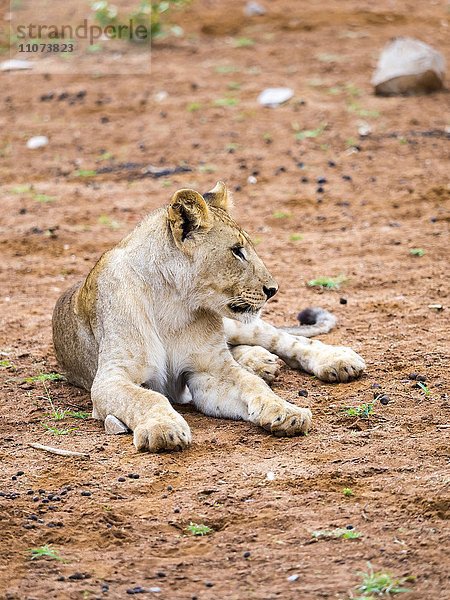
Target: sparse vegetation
<point x="309" y="133"/>
<point x="56" y="430"/>
<point x="108" y="222"/>
<point x="198" y="529"/>
<point x="380" y="583"/>
<point x="44" y="377"/>
<point x="5" y="363"/>
<point x="363" y="411"/>
<point x="243" y="42"/>
<point x="226" y="101"/>
<point x="417" y="251"/>
<point x="424" y="388"/>
<point x="149" y="14"/>
<point x="295" y="237"/>
<point x="44" y="552"/>
<point x="340" y="533"/>
<point x="85" y="173"/>
<point x="329" y="283"/>
<point x="280" y="214"/>
<point x="348" y="492"/>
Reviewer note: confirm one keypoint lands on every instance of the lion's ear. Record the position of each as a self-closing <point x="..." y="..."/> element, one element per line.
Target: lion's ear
<point x="219" y="197"/>
<point x="188" y="214"/>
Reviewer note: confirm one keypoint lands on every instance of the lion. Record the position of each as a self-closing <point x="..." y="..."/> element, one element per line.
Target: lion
<point x="171" y="314"/>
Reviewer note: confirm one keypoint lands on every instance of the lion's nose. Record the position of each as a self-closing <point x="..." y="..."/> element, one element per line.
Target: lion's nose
<point x="270" y="291"/>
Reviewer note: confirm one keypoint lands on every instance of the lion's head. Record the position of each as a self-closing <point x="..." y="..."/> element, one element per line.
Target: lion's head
<point x="232" y="279"/>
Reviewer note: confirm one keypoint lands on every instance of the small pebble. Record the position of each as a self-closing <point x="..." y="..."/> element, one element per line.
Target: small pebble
<point x="161" y="574"/>
<point x="247" y="554"/>
<point x="41" y="491"/>
<point x="209" y="584"/>
<point x="384" y="400"/>
<point x="176" y="510"/>
<point x="304" y="180"/>
<point x="376" y="385"/>
<point x="331" y="163"/>
<point x="412" y="376"/>
<point x="346" y="177"/>
<point x="36" y="499"/>
<point x="14" y="478"/>
<point x="121" y="479"/>
<point x="154" y="590"/>
<point x="349" y="527"/>
<point x="321" y="180"/>
<point x="20" y="473"/>
<point x="303" y="393"/>
<point x="421" y="378"/>
<point x="169" y="488"/>
<point x="342" y="300"/>
<point x="293" y="577"/>
<point x="86" y="493"/>
<point x="320" y="190"/>
<point x="301" y="165"/>
<point x="105" y="588"/>
<point x="136" y="590"/>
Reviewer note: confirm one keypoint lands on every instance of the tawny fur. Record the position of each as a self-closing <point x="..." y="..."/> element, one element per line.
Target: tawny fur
<point x="153" y="323"/>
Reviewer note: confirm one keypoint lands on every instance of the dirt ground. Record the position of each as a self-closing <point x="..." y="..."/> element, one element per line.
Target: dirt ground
<point x="384" y="194"/>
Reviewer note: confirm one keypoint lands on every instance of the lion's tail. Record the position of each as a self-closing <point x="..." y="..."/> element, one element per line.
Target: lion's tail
<point x="313" y="321"/>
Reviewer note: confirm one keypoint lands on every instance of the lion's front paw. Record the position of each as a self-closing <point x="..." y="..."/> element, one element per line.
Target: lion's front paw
<point x="163" y="431"/>
<point x="280" y="417"/>
<point x="337" y="364"/>
<point x="258" y="361"/>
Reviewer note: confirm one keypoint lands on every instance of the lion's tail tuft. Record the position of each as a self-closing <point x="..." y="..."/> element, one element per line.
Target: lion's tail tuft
<point x="313" y="321"/>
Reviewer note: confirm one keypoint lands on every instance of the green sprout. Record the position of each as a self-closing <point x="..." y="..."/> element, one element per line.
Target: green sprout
<point x="329" y="283"/>
<point x="6" y="364"/>
<point x="425" y="389"/>
<point x="243" y="42"/>
<point x="44" y="377"/>
<point x="295" y="237"/>
<point x="44" y="552"/>
<point x="363" y="411"/>
<point x="199" y="529"/>
<point x="226" y="101"/>
<point x="85" y="173"/>
<point x="348" y="492"/>
<point x="108" y="222"/>
<point x="56" y="430"/>
<point x="333" y="534"/>
<point x="380" y="583"/>
<point x="280" y="214"/>
<point x="309" y="133"/>
<point x="417" y="251"/>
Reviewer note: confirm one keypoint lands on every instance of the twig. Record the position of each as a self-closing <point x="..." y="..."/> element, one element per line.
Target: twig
<point x="58" y="451"/>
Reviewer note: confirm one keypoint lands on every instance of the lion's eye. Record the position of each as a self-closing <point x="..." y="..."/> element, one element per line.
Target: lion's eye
<point x="239" y="253"/>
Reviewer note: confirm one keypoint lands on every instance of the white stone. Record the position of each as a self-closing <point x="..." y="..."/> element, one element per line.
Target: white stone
<point x="275" y="96"/>
<point x="293" y="577"/>
<point x="270" y="476"/>
<point x="408" y="66"/>
<point x="15" y="65"/>
<point x="38" y="141"/>
<point x="113" y="426"/>
<point x="253" y="9"/>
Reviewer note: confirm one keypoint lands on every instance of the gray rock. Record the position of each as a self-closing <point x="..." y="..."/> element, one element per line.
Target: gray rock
<point x="253" y="9"/>
<point x="113" y="426"/>
<point x="408" y="67"/>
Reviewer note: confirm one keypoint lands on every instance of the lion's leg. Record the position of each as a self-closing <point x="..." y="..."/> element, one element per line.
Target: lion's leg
<point x="328" y="363"/>
<point x="156" y="425"/>
<point x="225" y="389"/>
<point x="257" y="360"/>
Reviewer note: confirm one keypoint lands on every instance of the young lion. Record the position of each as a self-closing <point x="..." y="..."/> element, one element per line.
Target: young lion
<point x="154" y="317"/>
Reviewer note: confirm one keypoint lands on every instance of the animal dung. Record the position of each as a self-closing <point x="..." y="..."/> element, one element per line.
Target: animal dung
<point x="408" y="67"/>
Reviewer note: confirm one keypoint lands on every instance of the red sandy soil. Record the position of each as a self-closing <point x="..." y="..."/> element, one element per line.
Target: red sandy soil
<point x="132" y="533"/>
